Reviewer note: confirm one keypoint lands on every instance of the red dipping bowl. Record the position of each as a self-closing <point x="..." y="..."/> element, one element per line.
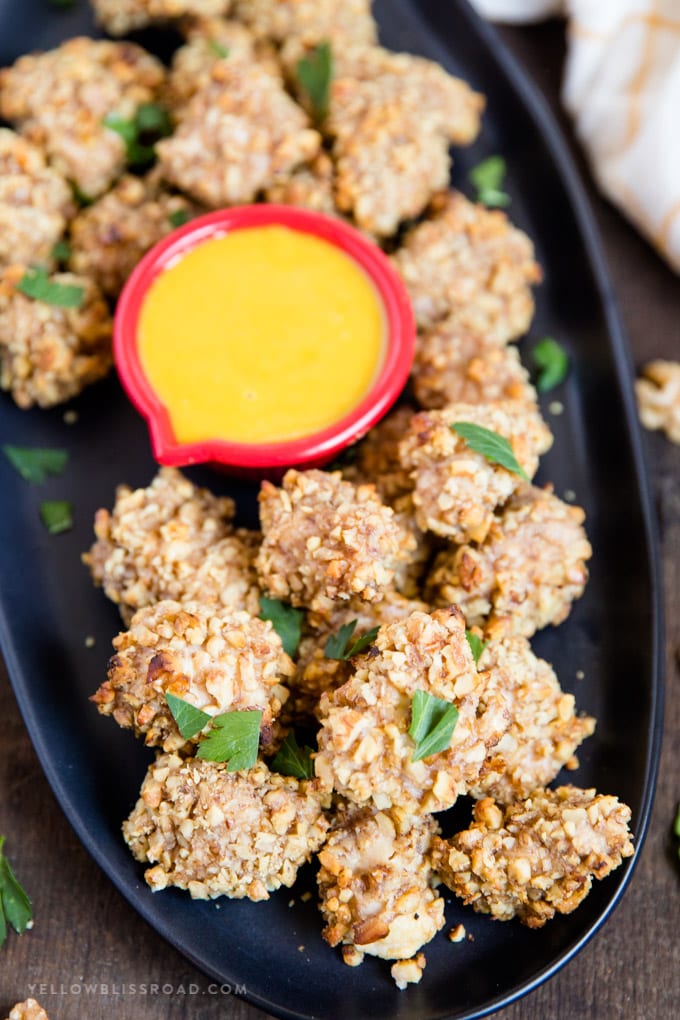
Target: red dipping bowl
<point x="256" y="459"/>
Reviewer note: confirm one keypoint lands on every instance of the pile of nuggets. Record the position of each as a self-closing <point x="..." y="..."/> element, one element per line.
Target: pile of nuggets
<point x="419" y="536"/>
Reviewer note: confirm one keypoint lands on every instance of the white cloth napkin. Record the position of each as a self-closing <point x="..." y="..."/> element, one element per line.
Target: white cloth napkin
<point x="622" y="86"/>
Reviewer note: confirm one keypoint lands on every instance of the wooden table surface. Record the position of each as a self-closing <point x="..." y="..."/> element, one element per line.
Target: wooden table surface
<point x="86" y="932"/>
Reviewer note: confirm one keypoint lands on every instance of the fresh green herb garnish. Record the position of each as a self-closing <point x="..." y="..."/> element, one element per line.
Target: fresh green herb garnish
<point x="336" y="645"/>
<point x="190" y="720"/>
<point x="432" y="724"/>
<point x="15" y="906"/>
<point x="495" y="448"/>
<point x="56" y="515"/>
<point x="315" y="74"/>
<point x="179" y="217"/>
<point x="293" y="760"/>
<point x="81" y="198"/>
<point x="488" y="177"/>
<point x="34" y="463"/>
<point x="286" y="621"/>
<point x="476" y="644"/>
<point x="552" y="363"/>
<point x="221" y="51"/>
<point x="150" y="123"/>
<point x="36" y="284"/>
<point x="61" y="251"/>
<point x="234" y="738"/>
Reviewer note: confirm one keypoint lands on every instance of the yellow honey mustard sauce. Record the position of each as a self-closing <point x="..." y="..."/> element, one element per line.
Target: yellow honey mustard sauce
<point x="263" y="335"/>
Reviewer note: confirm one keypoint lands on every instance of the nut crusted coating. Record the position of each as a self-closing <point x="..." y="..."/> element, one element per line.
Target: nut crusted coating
<point x="525" y="574"/>
<point x="365" y="751"/>
<point x="456" y="489"/>
<point x="109" y="237"/>
<point x="118" y="17"/>
<point x="544" y="731"/>
<point x="173" y="540"/>
<point x="28" y="1010"/>
<point x="49" y="354"/>
<point x="454" y="364"/>
<point x="658" y="397"/>
<point x="309" y="21"/>
<point x="219" y="660"/>
<point x="60" y="99"/>
<point x="220" y="833"/>
<point x="326" y="539"/>
<point x="377" y="457"/>
<point x="308" y="186"/>
<point x="470" y="260"/>
<point x="392" y="118"/>
<point x="538" y="857"/>
<point x="35" y="202"/>
<point x="375" y="884"/>
<point x="236" y="136"/>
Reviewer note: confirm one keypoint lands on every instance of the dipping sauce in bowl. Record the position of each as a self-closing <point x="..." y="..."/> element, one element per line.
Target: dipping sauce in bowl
<point x="262" y="336"/>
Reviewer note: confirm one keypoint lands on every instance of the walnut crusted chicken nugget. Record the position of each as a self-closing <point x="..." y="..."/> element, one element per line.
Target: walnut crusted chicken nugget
<point x="454" y="364"/>
<point x="325" y="539"/>
<point x="35" y="202"/>
<point x="658" y="397"/>
<point x="309" y="21"/>
<point x="49" y="353"/>
<point x="28" y="1010"/>
<point x="109" y="237"/>
<point x="236" y="135"/>
<point x="365" y="750"/>
<point x="375" y="885"/>
<point x="173" y="540"/>
<point x="219" y="660"/>
<point x="544" y="730"/>
<point x="377" y="457"/>
<point x="60" y="99"/>
<point x="526" y="573"/>
<point x="118" y="17"/>
<point x="456" y="489"/>
<point x="537" y="857"/>
<point x="470" y="260"/>
<point x="392" y="130"/>
<point x="220" y="833"/>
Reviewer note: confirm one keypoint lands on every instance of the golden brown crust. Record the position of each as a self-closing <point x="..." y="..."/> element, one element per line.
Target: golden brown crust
<point x="118" y="17"/>
<point x="658" y="397"/>
<point x="535" y="858"/>
<point x="49" y="354"/>
<point x="220" y="833"/>
<point x="27" y="1010"/>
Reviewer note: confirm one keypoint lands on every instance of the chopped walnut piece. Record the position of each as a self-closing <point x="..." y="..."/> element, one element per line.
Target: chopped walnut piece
<point x="526" y="573"/>
<point x="535" y="858"/>
<point x="470" y="260"/>
<point x="60" y="99"/>
<point x="456" y="489"/>
<point x="49" y="354"/>
<point x="375" y="885"/>
<point x="325" y="539"/>
<point x="218" y="660"/>
<point x="658" y="397"/>
<point x="220" y="833"/>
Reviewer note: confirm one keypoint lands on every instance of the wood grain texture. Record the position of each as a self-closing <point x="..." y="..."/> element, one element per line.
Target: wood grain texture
<point x="85" y="933"/>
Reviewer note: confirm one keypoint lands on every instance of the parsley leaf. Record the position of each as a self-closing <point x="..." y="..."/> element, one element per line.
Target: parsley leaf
<point x="218" y="49"/>
<point x="336" y="645"/>
<point x="190" y="720"/>
<point x="286" y="621"/>
<point x="15" y="906"/>
<point x="495" y="448"/>
<point x="293" y="760"/>
<point x="315" y="74"/>
<point x="234" y="739"/>
<point x="476" y="644"/>
<point x="552" y="362"/>
<point x="179" y="217"/>
<point x="488" y="177"/>
<point x="61" y="251"/>
<point x="433" y="721"/>
<point x="56" y="515"/>
<point x="35" y="283"/>
<point x="150" y="123"/>
<point x="35" y="463"/>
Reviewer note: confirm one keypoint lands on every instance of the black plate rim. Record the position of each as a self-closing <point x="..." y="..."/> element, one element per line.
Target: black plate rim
<point x="530" y="97"/>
